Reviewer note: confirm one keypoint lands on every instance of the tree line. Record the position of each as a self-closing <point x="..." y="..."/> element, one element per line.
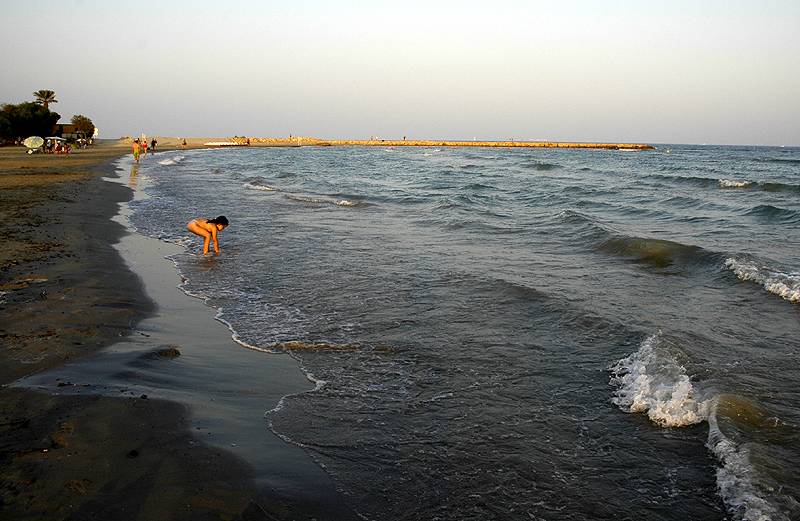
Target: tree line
<point x="34" y="118"/>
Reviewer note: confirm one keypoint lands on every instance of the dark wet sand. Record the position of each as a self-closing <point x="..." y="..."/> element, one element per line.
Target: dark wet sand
<point x="99" y="440"/>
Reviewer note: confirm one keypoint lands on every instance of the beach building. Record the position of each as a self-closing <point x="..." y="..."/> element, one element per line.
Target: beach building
<point x="65" y="130"/>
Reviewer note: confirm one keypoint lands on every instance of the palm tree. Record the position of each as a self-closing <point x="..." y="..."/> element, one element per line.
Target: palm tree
<point x="45" y="97"/>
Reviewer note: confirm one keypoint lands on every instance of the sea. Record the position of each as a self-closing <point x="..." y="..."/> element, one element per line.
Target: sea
<point x="510" y="333"/>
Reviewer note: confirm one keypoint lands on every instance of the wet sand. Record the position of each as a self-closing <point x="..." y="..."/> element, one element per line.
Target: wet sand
<point x="165" y="424"/>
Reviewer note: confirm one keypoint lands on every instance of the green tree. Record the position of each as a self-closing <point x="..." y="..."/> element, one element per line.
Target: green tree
<point x="45" y="98"/>
<point x="26" y="119"/>
<point x="83" y="126"/>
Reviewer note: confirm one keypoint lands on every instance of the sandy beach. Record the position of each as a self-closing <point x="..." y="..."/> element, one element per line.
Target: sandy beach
<point x="91" y="433"/>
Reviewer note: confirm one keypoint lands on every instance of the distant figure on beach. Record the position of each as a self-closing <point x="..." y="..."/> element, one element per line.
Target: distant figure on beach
<point x="184" y="143"/>
<point x="144" y="147"/>
<point x="136" y="150"/>
<point x="153" y="144"/>
<point x="208" y="230"/>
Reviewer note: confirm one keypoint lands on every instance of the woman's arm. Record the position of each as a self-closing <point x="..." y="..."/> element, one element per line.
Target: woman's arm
<point x="214" y="236"/>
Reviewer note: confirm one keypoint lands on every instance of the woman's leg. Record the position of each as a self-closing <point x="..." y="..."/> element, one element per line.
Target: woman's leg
<point x="205" y="234"/>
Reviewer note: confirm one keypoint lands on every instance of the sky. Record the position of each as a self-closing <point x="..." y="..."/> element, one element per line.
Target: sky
<point x="716" y="72"/>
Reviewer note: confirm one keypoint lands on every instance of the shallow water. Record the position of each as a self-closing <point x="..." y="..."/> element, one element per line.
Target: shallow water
<point x="506" y="333"/>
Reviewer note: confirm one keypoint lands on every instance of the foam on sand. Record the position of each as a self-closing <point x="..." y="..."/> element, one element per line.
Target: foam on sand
<point x="785" y="285"/>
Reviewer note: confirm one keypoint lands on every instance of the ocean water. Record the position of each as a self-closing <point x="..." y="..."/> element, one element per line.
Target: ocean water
<point x="510" y="333"/>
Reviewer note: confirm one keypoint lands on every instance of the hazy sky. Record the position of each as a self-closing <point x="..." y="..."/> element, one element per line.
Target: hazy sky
<point x="661" y="72"/>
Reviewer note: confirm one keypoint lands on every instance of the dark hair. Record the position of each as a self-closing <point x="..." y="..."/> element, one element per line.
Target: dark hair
<point x="219" y="220"/>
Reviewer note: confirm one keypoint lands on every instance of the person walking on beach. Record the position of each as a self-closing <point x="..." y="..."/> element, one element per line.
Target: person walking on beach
<point x="153" y="144"/>
<point x="136" y="150"/>
<point x="208" y="230"/>
<point x="144" y="147"/>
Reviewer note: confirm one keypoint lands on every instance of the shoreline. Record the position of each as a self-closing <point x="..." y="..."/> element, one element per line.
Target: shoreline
<point x="85" y="447"/>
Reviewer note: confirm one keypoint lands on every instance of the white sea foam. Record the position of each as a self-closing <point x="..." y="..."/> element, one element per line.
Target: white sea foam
<point x="785" y="285"/>
<point x="171" y="161"/>
<point x="735" y="476"/>
<point x="306" y="199"/>
<point x="262" y="187"/>
<point x="322" y="200"/>
<point x="729" y="183"/>
<point x="651" y="381"/>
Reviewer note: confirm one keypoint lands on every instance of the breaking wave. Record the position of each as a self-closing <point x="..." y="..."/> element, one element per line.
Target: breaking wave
<point x="785" y="285"/>
<point x="729" y="183"/>
<point x="766" y="186"/>
<point x="710" y="182"/>
<point x="652" y="381"/>
<point x="257" y="183"/>
<point x="736" y="483"/>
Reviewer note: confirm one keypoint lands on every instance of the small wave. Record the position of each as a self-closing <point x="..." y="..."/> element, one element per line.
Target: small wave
<point x="478" y="187"/>
<point x="786" y="160"/>
<point x="707" y="182"/>
<point x="778" y="187"/>
<point x="324" y="200"/>
<point x="735" y="483"/>
<point x="680" y="201"/>
<point x="659" y="253"/>
<point x="729" y="183"/>
<point x="774" y="214"/>
<point x="308" y="199"/>
<point x="685" y="180"/>
<point x="540" y="166"/>
<point x="766" y="186"/>
<point x="574" y="217"/>
<point x="298" y="345"/>
<point x="468" y="166"/>
<point x="652" y="381"/>
<point x="171" y="161"/>
<point x="786" y="286"/>
<point x="255" y="185"/>
<point x="582" y="227"/>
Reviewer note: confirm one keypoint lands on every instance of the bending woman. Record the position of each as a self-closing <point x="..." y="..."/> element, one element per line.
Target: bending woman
<point x="208" y="230"/>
